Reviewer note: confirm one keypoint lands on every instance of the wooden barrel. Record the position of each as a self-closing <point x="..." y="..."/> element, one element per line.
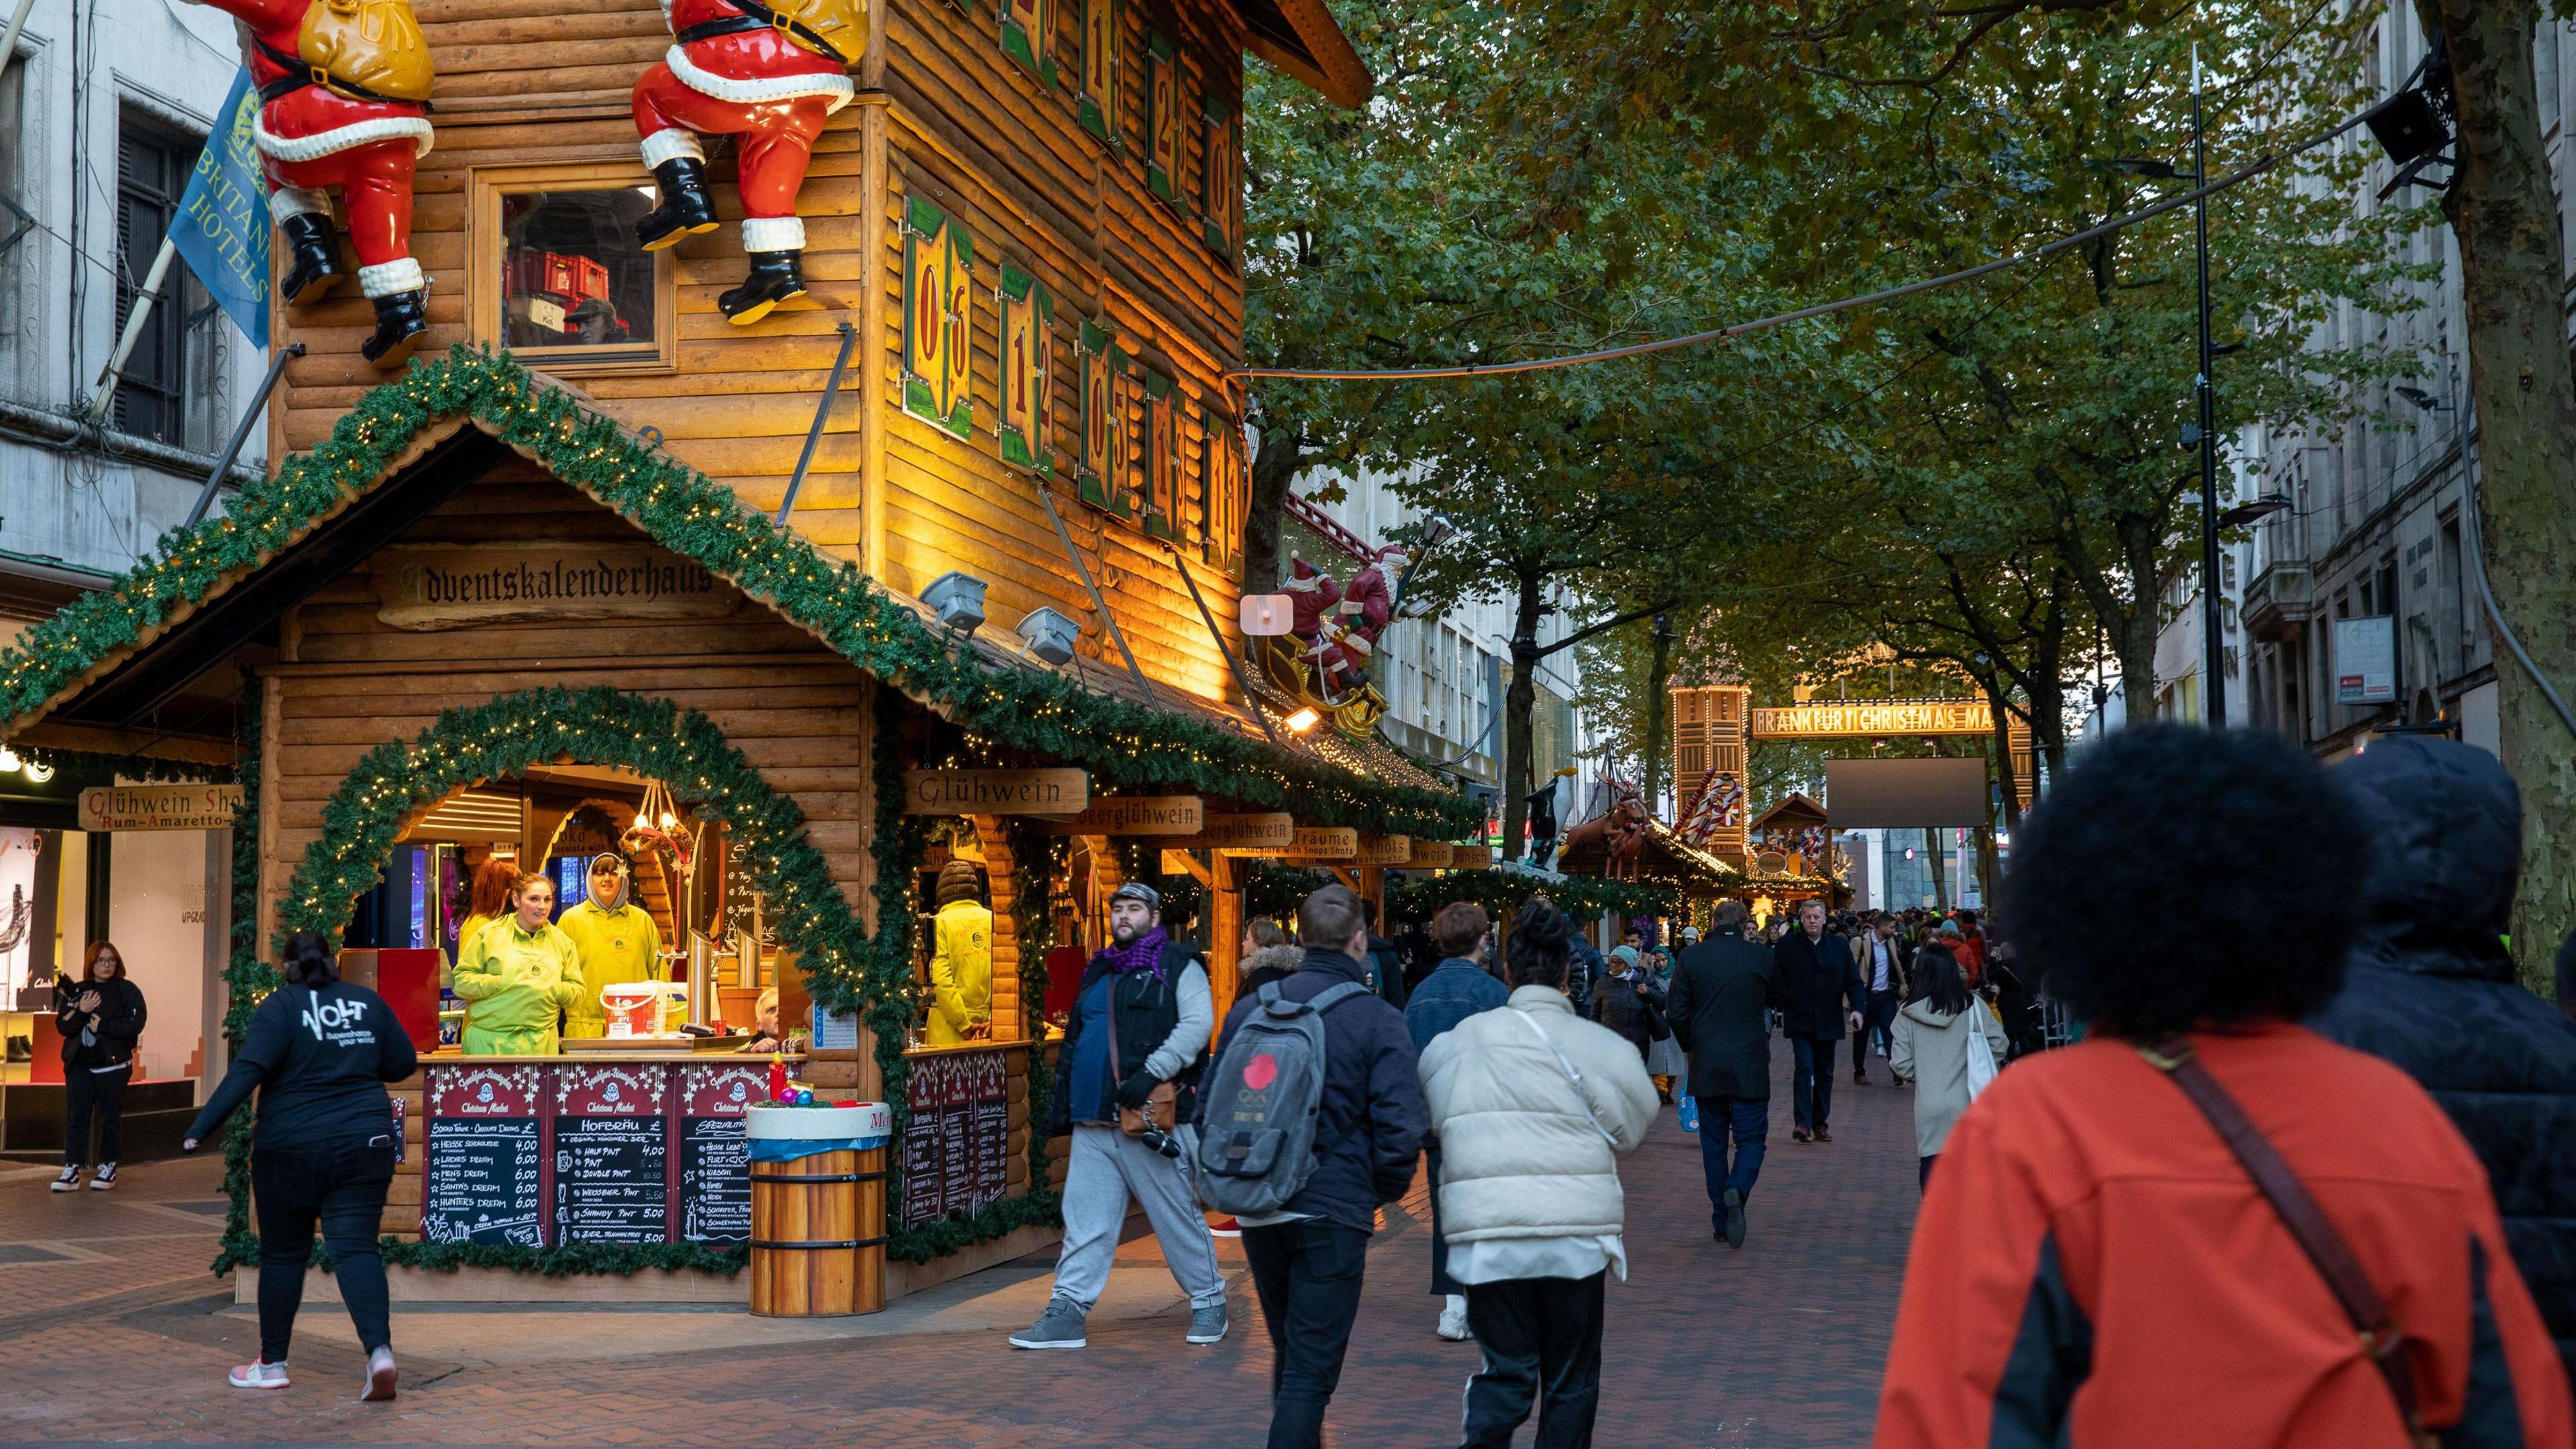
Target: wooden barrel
<point x="818" y="1221"/>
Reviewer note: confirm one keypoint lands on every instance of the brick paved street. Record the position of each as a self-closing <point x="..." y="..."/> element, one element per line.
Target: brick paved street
<point x="123" y="1338"/>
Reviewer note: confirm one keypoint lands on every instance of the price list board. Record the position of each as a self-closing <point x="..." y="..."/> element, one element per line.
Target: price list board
<point x="956" y="1146"/>
<point x="483" y="1177"/>
<point x="612" y="1154"/>
<point x="715" y="1156"/>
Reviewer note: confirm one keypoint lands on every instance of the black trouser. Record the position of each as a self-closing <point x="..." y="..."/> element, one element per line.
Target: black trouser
<point x="1442" y="1285"/>
<point x="1542" y="1340"/>
<point x="1307" y="1275"/>
<point x="344" y="1188"/>
<point x="84" y="1092"/>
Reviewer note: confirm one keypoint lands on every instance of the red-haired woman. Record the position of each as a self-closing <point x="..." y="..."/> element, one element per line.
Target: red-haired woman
<point x="101" y="1019"/>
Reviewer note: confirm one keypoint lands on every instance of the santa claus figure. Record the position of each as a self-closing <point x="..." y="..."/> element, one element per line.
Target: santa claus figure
<point x="1366" y="607"/>
<point x="1312" y="597"/>
<point x="769" y="76"/>
<point x="344" y="103"/>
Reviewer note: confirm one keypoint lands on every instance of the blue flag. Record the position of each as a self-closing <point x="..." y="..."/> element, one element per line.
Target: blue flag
<point x="222" y="227"/>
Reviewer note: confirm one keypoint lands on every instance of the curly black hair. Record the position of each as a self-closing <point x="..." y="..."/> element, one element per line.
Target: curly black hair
<point x="1541" y="943"/>
<point x="2179" y="878"/>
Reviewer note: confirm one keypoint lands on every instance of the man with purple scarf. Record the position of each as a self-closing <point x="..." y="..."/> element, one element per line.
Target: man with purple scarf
<point x="1141" y="1017"/>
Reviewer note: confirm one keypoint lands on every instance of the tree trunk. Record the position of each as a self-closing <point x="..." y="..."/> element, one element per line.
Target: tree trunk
<point x="1275" y="465"/>
<point x="1659" y="678"/>
<point x="2506" y="218"/>
<point x="1936" y="848"/>
<point x="1519" y="702"/>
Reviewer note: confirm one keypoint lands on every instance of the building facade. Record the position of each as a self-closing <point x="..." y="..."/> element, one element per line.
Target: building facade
<point x="2374" y="538"/>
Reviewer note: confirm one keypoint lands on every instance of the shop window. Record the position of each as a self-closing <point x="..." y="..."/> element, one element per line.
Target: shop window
<point x="1103" y="43"/>
<point x="1028" y="36"/>
<point x="1102" y="363"/>
<point x="1162" y="116"/>
<point x="1220" y="179"/>
<point x="1027" y="371"/>
<point x="557" y="276"/>
<point x="938" y="317"/>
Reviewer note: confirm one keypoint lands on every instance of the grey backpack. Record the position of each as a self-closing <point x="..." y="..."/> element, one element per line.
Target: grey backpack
<point x="1257" y="1147"/>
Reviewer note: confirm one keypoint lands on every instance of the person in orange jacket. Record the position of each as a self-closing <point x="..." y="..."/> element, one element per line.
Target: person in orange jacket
<point x="2095" y="1266"/>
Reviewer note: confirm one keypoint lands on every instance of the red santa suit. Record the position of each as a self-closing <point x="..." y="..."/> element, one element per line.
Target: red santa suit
<point x="1366" y="607"/>
<point x="756" y="81"/>
<point x="313" y="135"/>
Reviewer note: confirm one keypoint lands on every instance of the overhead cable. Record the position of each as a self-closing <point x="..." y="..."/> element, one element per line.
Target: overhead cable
<point x="1822" y="309"/>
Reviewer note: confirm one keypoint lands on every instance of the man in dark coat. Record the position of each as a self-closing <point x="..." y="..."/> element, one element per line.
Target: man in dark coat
<point x="1821" y="998"/>
<point x="2431" y="989"/>
<point x="1722" y="994"/>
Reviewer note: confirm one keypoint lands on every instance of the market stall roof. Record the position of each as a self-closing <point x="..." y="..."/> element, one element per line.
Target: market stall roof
<point x="1794" y="812"/>
<point x="142" y="669"/>
<point x="1662" y="855"/>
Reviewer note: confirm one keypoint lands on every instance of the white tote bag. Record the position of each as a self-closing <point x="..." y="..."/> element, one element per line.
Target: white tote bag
<point x="1981" y="1057"/>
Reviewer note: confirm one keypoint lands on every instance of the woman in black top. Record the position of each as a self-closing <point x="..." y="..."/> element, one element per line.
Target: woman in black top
<point x="101" y="1018"/>
<point x="322" y="1147"/>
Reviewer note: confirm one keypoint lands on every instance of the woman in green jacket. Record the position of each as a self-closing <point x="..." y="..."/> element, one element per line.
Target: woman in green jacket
<point x="517" y="975"/>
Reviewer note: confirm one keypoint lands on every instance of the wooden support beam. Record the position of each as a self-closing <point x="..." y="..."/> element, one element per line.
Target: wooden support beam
<point x="1225" y="930"/>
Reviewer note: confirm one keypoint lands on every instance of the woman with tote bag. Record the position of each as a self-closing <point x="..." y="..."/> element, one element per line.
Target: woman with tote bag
<point x="1947" y="1043"/>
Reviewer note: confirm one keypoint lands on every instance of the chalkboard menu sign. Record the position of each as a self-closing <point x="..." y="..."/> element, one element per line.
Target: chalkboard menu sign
<point x="482" y="1163"/>
<point x="715" y="1158"/>
<point x="956" y="1147"/>
<point x="612" y="1154"/>
<point x="743" y="902"/>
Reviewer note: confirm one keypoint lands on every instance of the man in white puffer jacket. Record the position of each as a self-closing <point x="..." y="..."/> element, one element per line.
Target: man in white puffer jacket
<point x="1534" y="1106"/>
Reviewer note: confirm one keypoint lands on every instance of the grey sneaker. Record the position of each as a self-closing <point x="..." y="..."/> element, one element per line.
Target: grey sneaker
<point x="1059" y="1327"/>
<point x="1207" y="1325"/>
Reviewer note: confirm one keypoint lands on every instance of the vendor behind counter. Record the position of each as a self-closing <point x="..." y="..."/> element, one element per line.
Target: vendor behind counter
<point x="961" y="961"/>
<point x="616" y="941"/>
<point x="517" y="975"/>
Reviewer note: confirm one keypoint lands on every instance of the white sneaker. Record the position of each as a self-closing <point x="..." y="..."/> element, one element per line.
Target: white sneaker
<point x="258" y="1375"/>
<point x="1453" y="1320"/>
<point x="1882" y="1051"/>
<point x="69" y="1181"/>
<point x="380" y="1377"/>
<point x="106" y="1178"/>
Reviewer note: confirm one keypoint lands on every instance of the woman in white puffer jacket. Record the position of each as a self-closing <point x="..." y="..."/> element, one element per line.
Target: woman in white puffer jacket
<point x="1534" y="1106"/>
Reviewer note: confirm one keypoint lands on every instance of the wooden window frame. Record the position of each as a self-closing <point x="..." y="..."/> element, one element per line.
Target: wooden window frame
<point x="1158" y="460"/>
<point x="925" y="224"/>
<point x="485" y="186"/>
<point x="1022" y="292"/>
<point x="1030" y="40"/>
<point x="1098" y="357"/>
<point x="1162" y="114"/>
<point x="1096" y="108"/>
<point x="1220" y="178"/>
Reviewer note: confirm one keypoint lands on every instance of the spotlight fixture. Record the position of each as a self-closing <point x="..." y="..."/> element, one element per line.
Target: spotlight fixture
<point x="1303" y="720"/>
<point x="1049" y="635"/>
<point x="2422" y="399"/>
<point x="1267" y="616"/>
<point x="958" y="600"/>
<point x="38" y="774"/>
<point x="2244" y="513"/>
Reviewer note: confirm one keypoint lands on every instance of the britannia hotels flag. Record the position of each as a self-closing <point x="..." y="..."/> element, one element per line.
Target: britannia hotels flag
<point x="222" y="227"/>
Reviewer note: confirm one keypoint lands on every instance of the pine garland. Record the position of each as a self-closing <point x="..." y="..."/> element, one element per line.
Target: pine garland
<point x="1502" y="892"/>
<point x="1048" y="714"/>
<point x="246" y="977"/>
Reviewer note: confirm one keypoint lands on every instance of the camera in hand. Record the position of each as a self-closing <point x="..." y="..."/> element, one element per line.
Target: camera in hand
<point x="1159" y="1140"/>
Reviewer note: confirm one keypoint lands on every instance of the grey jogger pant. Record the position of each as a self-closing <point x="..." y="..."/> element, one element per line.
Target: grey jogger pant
<point x="1107" y="1167"/>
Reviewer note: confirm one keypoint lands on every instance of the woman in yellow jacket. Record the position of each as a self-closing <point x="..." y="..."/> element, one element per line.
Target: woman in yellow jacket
<point x="617" y="940"/>
<point x="517" y="975"/>
<point x="961" y="961"/>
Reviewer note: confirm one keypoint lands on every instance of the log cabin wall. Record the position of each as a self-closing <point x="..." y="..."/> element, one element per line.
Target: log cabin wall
<point x="945" y="117"/>
<point x="347" y="681"/>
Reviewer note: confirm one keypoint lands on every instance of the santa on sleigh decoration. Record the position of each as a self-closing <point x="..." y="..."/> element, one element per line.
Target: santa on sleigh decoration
<point x="1326" y="658"/>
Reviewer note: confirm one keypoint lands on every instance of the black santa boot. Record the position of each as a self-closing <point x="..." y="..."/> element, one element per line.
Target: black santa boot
<point x="401" y="295"/>
<point x="686" y="209"/>
<point x="313" y="257"/>
<point x="777" y="248"/>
